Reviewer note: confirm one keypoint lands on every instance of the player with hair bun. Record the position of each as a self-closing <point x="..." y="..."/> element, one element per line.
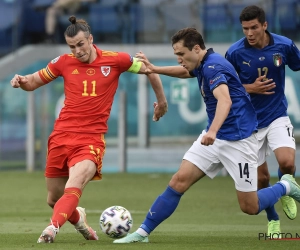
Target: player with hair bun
<point x="76" y="145"/>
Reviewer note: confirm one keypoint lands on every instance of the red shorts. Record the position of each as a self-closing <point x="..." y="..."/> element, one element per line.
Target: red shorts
<point x="65" y="149"/>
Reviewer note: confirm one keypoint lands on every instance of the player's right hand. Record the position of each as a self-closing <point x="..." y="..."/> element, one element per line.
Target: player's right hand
<point x="263" y="86"/>
<point x="142" y="58"/>
<point x="18" y="80"/>
<point x="159" y="110"/>
<point x="209" y="138"/>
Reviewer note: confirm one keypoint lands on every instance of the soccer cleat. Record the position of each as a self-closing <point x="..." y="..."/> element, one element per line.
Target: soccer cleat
<point x="289" y="207"/>
<point x="274" y="229"/>
<point x="48" y="234"/>
<point x="294" y="187"/>
<point x="132" y="238"/>
<point x="82" y="227"/>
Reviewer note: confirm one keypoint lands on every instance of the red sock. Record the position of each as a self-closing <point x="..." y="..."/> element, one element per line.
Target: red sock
<point x="74" y="218"/>
<point x="65" y="206"/>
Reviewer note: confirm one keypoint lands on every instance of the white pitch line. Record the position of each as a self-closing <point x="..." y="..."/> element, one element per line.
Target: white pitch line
<point x="100" y="211"/>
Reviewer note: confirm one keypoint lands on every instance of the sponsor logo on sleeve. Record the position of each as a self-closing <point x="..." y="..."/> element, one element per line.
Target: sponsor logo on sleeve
<point x="215" y="79"/>
<point x="55" y="60"/>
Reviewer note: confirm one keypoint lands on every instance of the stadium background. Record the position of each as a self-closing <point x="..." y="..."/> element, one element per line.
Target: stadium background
<point x="130" y="26"/>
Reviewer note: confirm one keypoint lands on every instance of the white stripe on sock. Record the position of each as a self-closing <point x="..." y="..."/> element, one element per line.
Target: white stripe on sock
<point x="287" y="186"/>
<point x="142" y="232"/>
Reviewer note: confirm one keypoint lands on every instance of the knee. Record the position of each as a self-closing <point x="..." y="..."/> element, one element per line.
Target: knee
<point x="179" y="183"/>
<point x="51" y="201"/>
<point x="263" y="180"/>
<point x="287" y="167"/>
<point x="248" y="208"/>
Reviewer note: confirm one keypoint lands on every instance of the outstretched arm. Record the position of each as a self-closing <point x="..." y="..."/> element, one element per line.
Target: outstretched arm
<point x="28" y="83"/>
<point x="161" y="106"/>
<point x="174" y="71"/>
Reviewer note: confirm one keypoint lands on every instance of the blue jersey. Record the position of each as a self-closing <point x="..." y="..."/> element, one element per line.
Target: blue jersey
<point x="251" y="63"/>
<point x="241" y="121"/>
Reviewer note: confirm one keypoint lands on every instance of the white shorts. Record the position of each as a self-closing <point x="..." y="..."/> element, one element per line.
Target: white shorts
<point x="238" y="157"/>
<point x="278" y="134"/>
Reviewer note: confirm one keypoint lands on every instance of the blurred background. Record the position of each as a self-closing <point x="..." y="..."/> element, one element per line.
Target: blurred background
<point x="31" y="34"/>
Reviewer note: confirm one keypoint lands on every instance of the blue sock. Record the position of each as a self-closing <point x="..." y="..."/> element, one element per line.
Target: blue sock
<point x="271" y="213"/>
<point x="280" y="174"/>
<point x="161" y="209"/>
<point x="267" y="197"/>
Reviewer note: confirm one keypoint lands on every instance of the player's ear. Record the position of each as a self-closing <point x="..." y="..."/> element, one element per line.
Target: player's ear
<point x="197" y="48"/>
<point x="91" y="39"/>
<point x="265" y="25"/>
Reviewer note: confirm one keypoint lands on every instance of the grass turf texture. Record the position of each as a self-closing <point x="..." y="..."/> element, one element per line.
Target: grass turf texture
<point x="208" y="216"/>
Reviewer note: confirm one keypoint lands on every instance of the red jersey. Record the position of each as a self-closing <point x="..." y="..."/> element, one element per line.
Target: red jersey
<point x="89" y="89"/>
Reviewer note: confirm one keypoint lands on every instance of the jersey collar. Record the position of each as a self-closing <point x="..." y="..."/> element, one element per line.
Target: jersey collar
<point x="271" y="42"/>
<point x="209" y="51"/>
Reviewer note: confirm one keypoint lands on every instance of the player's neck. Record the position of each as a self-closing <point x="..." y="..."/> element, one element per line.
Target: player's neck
<point x="93" y="55"/>
<point x="264" y="42"/>
<point x="201" y="56"/>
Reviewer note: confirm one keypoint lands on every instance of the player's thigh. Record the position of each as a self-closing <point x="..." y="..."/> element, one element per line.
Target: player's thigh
<point x="81" y="173"/>
<point x="186" y="176"/>
<point x="56" y="164"/>
<point x="240" y="160"/>
<point x="285" y="157"/>
<point x="281" y="140"/>
<point x="248" y="202"/>
<point x="280" y="134"/>
<point x="263" y="176"/>
<point x="55" y="188"/>
<point x="205" y="158"/>
<point x="86" y="150"/>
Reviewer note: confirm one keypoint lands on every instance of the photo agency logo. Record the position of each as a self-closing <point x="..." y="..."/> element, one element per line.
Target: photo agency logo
<point x="279" y="236"/>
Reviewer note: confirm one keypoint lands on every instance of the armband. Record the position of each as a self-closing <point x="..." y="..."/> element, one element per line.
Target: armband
<point x="136" y="66"/>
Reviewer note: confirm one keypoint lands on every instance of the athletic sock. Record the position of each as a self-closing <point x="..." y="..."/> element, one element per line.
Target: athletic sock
<point x="271" y="212"/>
<point x="280" y="174"/>
<point x="74" y="218"/>
<point x="65" y="206"/>
<point x="161" y="209"/>
<point x="267" y="197"/>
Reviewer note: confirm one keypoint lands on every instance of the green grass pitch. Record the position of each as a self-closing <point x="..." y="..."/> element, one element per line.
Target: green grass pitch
<point x="208" y="216"/>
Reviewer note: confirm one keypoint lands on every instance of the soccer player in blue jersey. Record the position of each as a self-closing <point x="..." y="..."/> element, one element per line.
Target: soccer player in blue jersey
<point x="260" y="59"/>
<point x="229" y="140"/>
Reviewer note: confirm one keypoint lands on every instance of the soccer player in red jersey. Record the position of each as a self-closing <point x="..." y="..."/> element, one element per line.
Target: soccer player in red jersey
<point x="76" y="146"/>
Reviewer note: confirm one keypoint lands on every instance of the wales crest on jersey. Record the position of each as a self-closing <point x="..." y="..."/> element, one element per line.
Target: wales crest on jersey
<point x="105" y="70"/>
<point x="277" y="59"/>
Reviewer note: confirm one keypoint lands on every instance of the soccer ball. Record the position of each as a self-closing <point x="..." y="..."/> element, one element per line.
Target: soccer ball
<point x="116" y="222"/>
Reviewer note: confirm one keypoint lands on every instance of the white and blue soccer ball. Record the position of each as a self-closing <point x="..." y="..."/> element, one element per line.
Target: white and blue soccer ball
<point x="116" y="221"/>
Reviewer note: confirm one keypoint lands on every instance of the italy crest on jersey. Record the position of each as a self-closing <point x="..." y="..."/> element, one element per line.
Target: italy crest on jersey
<point x="277" y="59"/>
<point x="105" y="70"/>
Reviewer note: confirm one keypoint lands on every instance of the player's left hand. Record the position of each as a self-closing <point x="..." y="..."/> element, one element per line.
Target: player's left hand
<point x="159" y="110"/>
<point x="209" y="138"/>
